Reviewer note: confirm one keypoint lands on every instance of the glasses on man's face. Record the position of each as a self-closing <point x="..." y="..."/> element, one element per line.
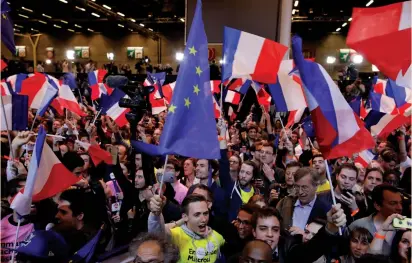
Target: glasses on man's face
<point x="139" y="260"/>
<point x="304" y="188"/>
<point x="232" y="162"/>
<point x="243" y="222"/>
<point x="265" y="152"/>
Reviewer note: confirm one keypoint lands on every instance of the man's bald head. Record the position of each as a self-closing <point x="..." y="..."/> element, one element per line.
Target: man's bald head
<point x="257" y="250"/>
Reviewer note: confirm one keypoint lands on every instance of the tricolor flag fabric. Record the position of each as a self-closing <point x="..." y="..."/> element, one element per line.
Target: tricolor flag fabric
<point x="402" y="96"/>
<point x="364" y="158"/>
<point x="250" y="56"/>
<point x="382" y="103"/>
<point x="232" y="114"/>
<point x="96" y="84"/>
<point x="264" y="99"/>
<point x="3" y="65"/>
<point x="46" y="177"/>
<point x="382" y="124"/>
<point x="240" y="85"/>
<point x="16" y="80"/>
<point x="339" y="130"/>
<point x="6" y="88"/>
<point x="294" y="117"/>
<point x="16" y="108"/>
<point x="157" y="80"/>
<point x="110" y="106"/>
<point x="96" y="153"/>
<point x="358" y="106"/>
<point x="286" y="92"/>
<point x="7" y="31"/>
<point x="216" y="108"/>
<point x="383" y="36"/>
<point x="232" y="97"/>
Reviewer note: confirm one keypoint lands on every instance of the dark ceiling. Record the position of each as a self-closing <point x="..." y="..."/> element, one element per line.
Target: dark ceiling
<point x="312" y="18"/>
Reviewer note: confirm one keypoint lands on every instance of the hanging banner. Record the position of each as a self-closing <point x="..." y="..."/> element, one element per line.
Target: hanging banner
<point x="21" y="51"/>
<point x="49" y="53"/>
<point x="345" y="54"/>
<point x="82" y="52"/>
<point x="135" y="52"/>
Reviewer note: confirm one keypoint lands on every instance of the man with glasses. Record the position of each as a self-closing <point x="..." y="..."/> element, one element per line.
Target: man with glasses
<point x="152" y="248"/>
<point x="304" y="206"/>
<point x="270" y="173"/>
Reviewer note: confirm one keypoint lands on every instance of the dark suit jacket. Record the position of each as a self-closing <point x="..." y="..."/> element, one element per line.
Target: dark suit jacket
<point x="286" y="207"/>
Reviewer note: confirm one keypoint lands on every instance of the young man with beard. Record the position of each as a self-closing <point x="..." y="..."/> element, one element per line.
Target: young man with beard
<point x="318" y="162"/>
<point x="197" y="242"/>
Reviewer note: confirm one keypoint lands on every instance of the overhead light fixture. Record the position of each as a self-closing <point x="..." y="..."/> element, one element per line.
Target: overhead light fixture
<point x="80" y="8"/>
<point x="293" y="11"/>
<point x="70" y="54"/>
<point x="350" y="19"/>
<point x="63" y="1"/>
<point x="338" y="29"/>
<point x="131" y="29"/>
<point x="344" y="24"/>
<point x="182" y="19"/>
<point x="57" y="26"/>
<point x="23" y="16"/>
<point x="107" y="7"/>
<point x="48" y="61"/>
<point x="222" y="61"/>
<point x="179" y="56"/>
<point x="150" y="29"/>
<point x="131" y="19"/>
<point x="142" y="25"/>
<point x="64" y="21"/>
<point x="32" y="29"/>
<point x="357" y="59"/>
<point x="330" y="60"/>
<point x="310" y="10"/>
<point x="49" y="17"/>
<point x="71" y="30"/>
<point x="110" y="56"/>
<point x="96" y="15"/>
<point x="369" y="3"/>
<point x="296" y="3"/>
<point x="43" y="22"/>
<point x="16" y="25"/>
<point x="90" y="30"/>
<point x="15" y="29"/>
<point x="149" y="15"/>
<point x="120" y="25"/>
<point x="120" y="14"/>
<point x="341" y="11"/>
<point x="29" y="10"/>
<point x="76" y="25"/>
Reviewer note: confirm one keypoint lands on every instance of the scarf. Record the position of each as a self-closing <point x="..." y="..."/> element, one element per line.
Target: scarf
<point x="194" y="235"/>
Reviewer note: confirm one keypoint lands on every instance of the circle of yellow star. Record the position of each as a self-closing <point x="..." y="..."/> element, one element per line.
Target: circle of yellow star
<point x="172" y="108"/>
<point x="196" y="89"/>
<point x="187" y="102"/>
<point x="198" y="71"/>
<point x="192" y="50"/>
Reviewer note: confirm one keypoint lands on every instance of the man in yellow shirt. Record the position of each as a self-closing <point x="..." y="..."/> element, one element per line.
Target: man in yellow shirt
<point x="196" y="241"/>
<point x="318" y="162"/>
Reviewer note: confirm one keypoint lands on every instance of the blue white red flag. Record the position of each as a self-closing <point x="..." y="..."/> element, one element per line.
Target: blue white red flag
<point x="16" y="109"/>
<point x="96" y="84"/>
<point x="110" y="106"/>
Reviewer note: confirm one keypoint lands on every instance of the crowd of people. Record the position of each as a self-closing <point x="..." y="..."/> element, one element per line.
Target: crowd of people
<point x="266" y="202"/>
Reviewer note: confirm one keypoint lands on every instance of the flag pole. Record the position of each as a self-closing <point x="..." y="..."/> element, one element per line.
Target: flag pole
<point x="331" y="189"/>
<point x="163" y="175"/>
<point x="15" y="239"/>
<point x="221" y="99"/>
<point x="7" y="127"/>
<point x="284" y="129"/>
<point x="34" y="120"/>
<point x="97" y="115"/>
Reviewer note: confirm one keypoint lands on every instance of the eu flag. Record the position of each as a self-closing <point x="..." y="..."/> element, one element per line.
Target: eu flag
<point x="190" y="128"/>
<point x="7" y="32"/>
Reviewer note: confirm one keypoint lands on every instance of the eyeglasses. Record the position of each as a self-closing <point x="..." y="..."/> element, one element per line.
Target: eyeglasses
<point x="304" y="188"/>
<point x="268" y="153"/>
<point x="233" y="162"/>
<point x="244" y="222"/>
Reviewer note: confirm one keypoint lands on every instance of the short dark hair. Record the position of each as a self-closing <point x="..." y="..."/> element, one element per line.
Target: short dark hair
<point x="362" y="233"/>
<point x="265" y="213"/>
<point x="170" y="251"/>
<point x="378" y="191"/>
<point x="173" y="161"/>
<point x="256" y="171"/>
<point x="77" y="199"/>
<point x="271" y="145"/>
<point x="349" y="166"/>
<point x="374" y="169"/>
<point x="252" y="127"/>
<point x="72" y="160"/>
<point x="202" y="187"/>
<point x="389" y="155"/>
<point x="316" y="156"/>
<point x="14" y="184"/>
<point x="294" y="164"/>
<point x="302" y="172"/>
<point x="193" y="198"/>
<point x="249" y="208"/>
<point x="256" y="145"/>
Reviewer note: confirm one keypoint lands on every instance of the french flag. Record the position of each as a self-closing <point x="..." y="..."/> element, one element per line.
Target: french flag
<point x="358" y="106"/>
<point x="110" y="106"/>
<point x="16" y="109"/>
<point x="294" y="117"/>
<point x="96" y="84"/>
<point x="47" y="176"/>
<point x="240" y="85"/>
<point x="383" y="36"/>
<point x="3" y="65"/>
<point x="401" y="95"/>
<point x="41" y="93"/>
<point x="97" y="154"/>
<point x="232" y="97"/>
<point x="232" y="114"/>
<point x="5" y="88"/>
<point x="264" y="99"/>
<point x="364" y="158"/>
<point x="16" y="81"/>
<point x="286" y="92"/>
<point x="382" y="103"/>
<point x="216" y="107"/>
<point x="382" y="124"/>
<point x="250" y="56"/>
<point x="339" y="130"/>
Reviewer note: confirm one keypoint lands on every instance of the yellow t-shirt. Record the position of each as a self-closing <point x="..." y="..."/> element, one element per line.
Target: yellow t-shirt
<point x="191" y="250"/>
<point x="246" y="195"/>
<point x="323" y="187"/>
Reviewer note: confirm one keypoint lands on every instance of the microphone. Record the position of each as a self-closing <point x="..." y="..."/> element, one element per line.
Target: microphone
<point x="49" y="226"/>
<point x="116" y="81"/>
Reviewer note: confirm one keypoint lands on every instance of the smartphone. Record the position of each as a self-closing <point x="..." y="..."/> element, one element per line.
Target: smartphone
<point x="346" y="192"/>
<point x="402" y="223"/>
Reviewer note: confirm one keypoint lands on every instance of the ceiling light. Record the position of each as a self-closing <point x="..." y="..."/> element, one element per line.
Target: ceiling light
<point x="71" y="30"/>
<point x="182" y="19"/>
<point x="338" y="29"/>
<point x="90" y="30"/>
<point x="70" y="54"/>
<point x="110" y="56"/>
<point x="293" y="11"/>
<point x="341" y="11"/>
<point x="57" y="26"/>
<point x="48" y="61"/>
<point x="43" y="22"/>
<point x="369" y="3"/>
<point x="32" y="29"/>
<point x="26" y="9"/>
<point x="142" y="25"/>
<point x="310" y="10"/>
<point x="150" y="29"/>
<point x="46" y="16"/>
<point x="64" y="21"/>
<point x="80" y="8"/>
<point x="344" y="24"/>
<point x="120" y="25"/>
<point x="149" y="15"/>
<point x="15" y="29"/>
<point x="131" y="29"/>
<point x="16" y="25"/>
<point x="357" y="59"/>
<point x="107" y="7"/>
<point x="330" y="60"/>
<point x="76" y="25"/>
<point x="63" y="1"/>
<point x="131" y="19"/>
<point x="296" y="3"/>
<point x="120" y="14"/>
<point x="23" y="16"/>
<point x="96" y="15"/>
<point x="179" y="56"/>
<point x="350" y="19"/>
